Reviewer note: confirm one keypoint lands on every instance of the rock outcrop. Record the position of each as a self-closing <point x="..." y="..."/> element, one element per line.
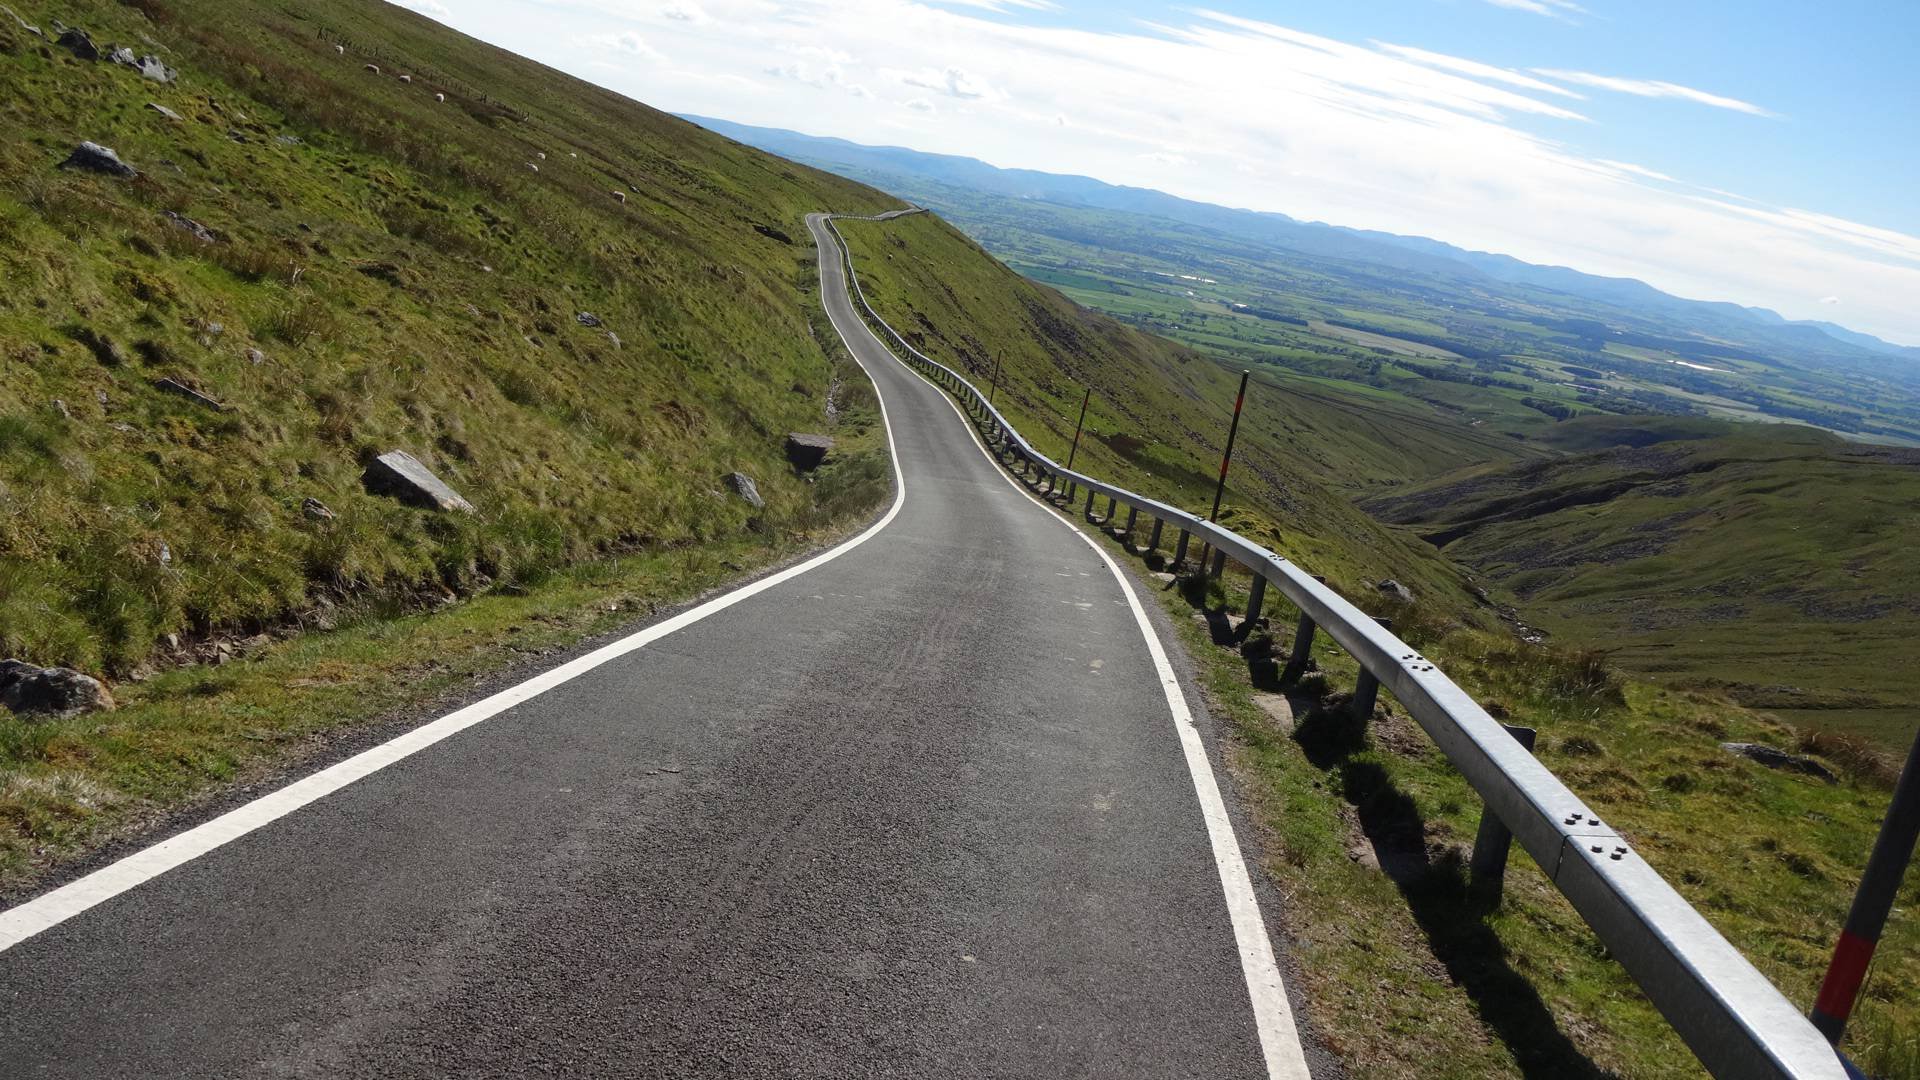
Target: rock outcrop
<point x="1775" y="758"/>
<point x="49" y="693"/>
<point x="76" y="41"/>
<point x="806" y="452"/>
<point x="743" y="486"/>
<point x="399" y="475"/>
<point x="180" y="389"/>
<point x="96" y="158"/>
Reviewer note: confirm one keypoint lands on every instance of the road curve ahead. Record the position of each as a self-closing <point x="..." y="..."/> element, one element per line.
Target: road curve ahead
<point x="920" y="809"/>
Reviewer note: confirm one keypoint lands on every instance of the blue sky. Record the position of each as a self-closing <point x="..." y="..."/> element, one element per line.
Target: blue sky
<point x="1763" y="152"/>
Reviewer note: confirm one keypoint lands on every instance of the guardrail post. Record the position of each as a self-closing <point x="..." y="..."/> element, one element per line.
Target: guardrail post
<point x="1087" y="511"/>
<point x="1367" y="689"/>
<point x="1302" y="654"/>
<point x="1113" y="508"/>
<point x="1133" y="515"/>
<point x="1180" y="550"/>
<point x="1256" y="597"/>
<point x="1219" y="563"/>
<point x="1490" y="846"/>
<point x="1153" y="542"/>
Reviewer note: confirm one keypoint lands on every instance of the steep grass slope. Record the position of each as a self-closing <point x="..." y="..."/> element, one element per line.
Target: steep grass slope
<point x="1773" y="564"/>
<point x="1159" y="412"/>
<point x="1366" y="828"/>
<point x="430" y="257"/>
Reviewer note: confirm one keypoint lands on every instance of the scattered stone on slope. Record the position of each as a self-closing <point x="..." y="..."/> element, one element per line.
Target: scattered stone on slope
<point x="614" y="339"/>
<point x="124" y="56"/>
<point x="316" y="510"/>
<point x="587" y="318"/>
<point x="772" y="233"/>
<point x="163" y="110"/>
<point x="743" y="486"/>
<point x="199" y="231"/>
<point x="806" y="452"/>
<point x="96" y="158"/>
<point x="150" y="67"/>
<point x="1775" y="758"/>
<point x="399" y="475"/>
<point x="1392" y="587"/>
<point x="256" y="357"/>
<point x="24" y="24"/>
<point x="180" y="389"/>
<point x="50" y="693"/>
<point x="76" y="41"/>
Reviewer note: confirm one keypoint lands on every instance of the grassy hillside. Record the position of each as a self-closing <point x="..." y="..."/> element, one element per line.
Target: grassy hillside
<point x="1159" y="412"/>
<point x="1771" y="564"/>
<point x="1366" y="830"/>
<point x="350" y="265"/>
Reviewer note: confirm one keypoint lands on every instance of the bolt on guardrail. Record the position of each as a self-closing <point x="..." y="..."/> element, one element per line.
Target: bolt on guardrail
<point x="1735" y="1021"/>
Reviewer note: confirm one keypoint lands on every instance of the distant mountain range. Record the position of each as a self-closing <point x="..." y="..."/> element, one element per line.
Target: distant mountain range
<point x="875" y="164"/>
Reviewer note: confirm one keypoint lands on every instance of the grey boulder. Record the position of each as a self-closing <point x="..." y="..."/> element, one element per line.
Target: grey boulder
<point x="180" y="389"/>
<point x="806" y="452"/>
<point x="150" y="67"/>
<point x="1775" y="758"/>
<point x="399" y="475"/>
<point x="1393" y="587"/>
<point x="76" y="41"/>
<point x="96" y="158"/>
<point x="743" y="486"/>
<point x="29" y="690"/>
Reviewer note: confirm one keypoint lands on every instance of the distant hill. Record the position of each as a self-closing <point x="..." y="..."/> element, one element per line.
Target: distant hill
<point x="876" y="164"/>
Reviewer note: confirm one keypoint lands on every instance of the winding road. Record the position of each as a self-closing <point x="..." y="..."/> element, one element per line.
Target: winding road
<point x="936" y="802"/>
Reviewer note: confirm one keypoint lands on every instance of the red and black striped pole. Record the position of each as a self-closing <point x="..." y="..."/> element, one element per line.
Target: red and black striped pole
<point x="1885" y="867"/>
<point x="1226" y="459"/>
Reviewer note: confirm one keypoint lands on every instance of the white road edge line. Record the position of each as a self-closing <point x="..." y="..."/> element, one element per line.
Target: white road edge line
<point x="1272" y="1013"/>
<point x="48" y="910"/>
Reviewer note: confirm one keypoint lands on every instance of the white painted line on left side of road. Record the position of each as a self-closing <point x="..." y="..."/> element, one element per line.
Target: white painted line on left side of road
<point x="50" y="909"/>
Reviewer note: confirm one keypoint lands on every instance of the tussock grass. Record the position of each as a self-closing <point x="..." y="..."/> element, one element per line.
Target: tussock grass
<point x="384" y="274"/>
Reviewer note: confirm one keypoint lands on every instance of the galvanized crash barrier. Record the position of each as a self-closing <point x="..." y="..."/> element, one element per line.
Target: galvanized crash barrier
<point x="1733" y="1019"/>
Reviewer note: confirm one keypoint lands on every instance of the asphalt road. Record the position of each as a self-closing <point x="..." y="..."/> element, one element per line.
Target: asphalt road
<point x="918" y="811"/>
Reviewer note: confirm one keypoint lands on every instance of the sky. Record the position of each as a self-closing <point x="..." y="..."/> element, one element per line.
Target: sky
<point x="1760" y="151"/>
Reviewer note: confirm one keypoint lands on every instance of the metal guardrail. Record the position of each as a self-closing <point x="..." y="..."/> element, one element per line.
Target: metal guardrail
<point x="1735" y="1021"/>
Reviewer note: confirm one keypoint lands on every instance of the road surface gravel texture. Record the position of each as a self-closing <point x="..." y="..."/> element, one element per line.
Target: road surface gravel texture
<point x="919" y="811"/>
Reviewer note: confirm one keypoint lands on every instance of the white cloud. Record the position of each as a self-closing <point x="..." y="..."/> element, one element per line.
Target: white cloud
<point x="952" y="82"/>
<point x="1559" y="9"/>
<point x="630" y="43"/>
<point x="1652" y="88"/>
<point x="1003" y="5"/>
<point x="686" y="13"/>
<point x="1830" y="300"/>
<point x="426" y="7"/>
<point x="1375" y="136"/>
<point x="1637" y="170"/>
<point x="1474" y="69"/>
